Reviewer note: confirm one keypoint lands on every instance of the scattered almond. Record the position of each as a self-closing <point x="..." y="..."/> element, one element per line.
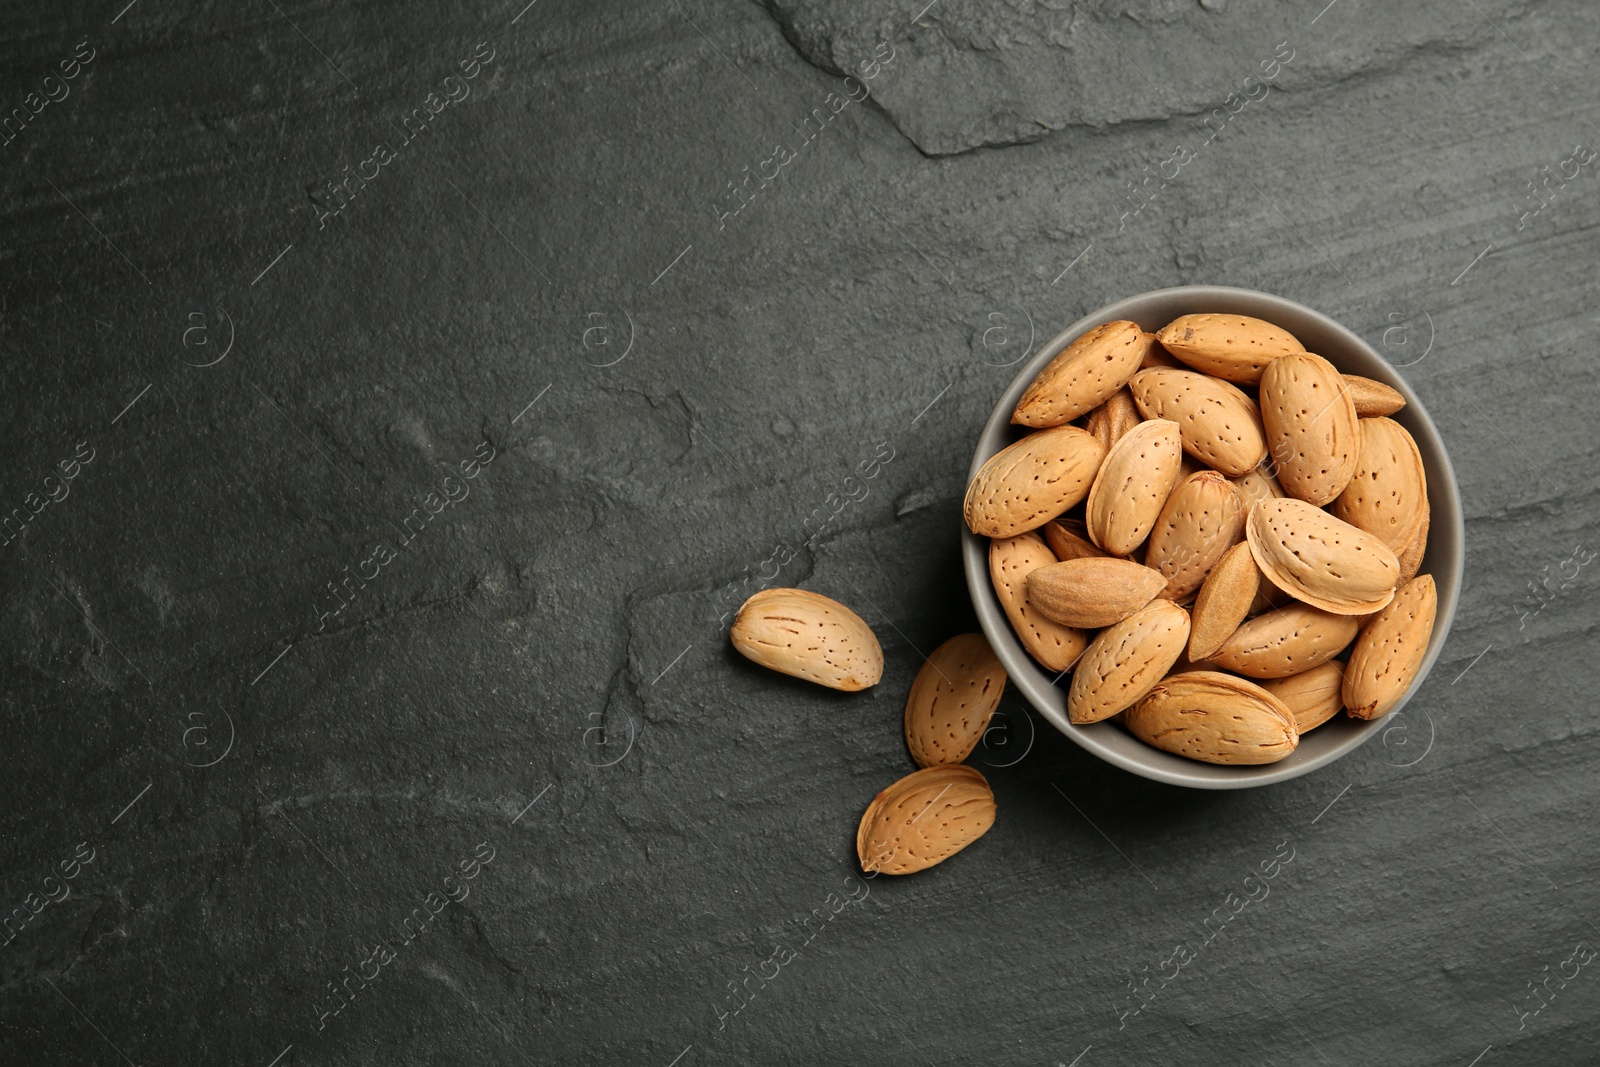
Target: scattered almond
<point x="923" y="819"/>
<point x="808" y="636"/>
<point x="951" y="700"/>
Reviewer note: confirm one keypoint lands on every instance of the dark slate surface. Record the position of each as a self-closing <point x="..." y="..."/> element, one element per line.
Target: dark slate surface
<point x="230" y="788"/>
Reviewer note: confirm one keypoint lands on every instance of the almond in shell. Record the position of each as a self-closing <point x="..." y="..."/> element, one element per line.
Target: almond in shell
<point x="1215" y="718"/>
<point x="1285" y="642"/>
<point x="1011" y="560"/>
<point x="952" y="699"/>
<point x="1219" y="424"/>
<point x="1320" y="559"/>
<point x="1030" y="482"/>
<point x="1111" y="420"/>
<point x="1202" y="519"/>
<point x="923" y="819"/>
<point x="1186" y="470"/>
<point x="1157" y="356"/>
<point x="1389" y="493"/>
<point x="1417" y="547"/>
<point x="1312" y="697"/>
<point x="1125" y="660"/>
<point x="1310" y="422"/>
<point x="1069" y="540"/>
<point x="1091" y="593"/>
<point x="1390" y="650"/>
<point x="1224" y="601"/>
<point x="1373" y="397"/>
<point x="1132" y="485"/>
<point x="1258" y="484"/>
<point x="1085" y="374"/>
<point x="1268" y="597"/>
<point x="1236" y="348"/>
<point x="808" y="636"/>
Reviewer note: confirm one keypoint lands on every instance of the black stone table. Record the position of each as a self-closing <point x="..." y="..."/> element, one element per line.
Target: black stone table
<point x="398" y="398"/>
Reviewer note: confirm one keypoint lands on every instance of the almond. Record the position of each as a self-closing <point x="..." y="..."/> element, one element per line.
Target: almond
<point x="1236" y="348"/>
<point x="1216" y="718"/>
<point x="1312" y="697"/>
<point x="1417" y="547"/>
<point x="1156" y="356"/>
<point x="1202" y="519"/>
<point x="1125" y="660"/>
<point x="808" y="636"/>
<point x="923" y="819"/>
<point x="1219" y="424"/>
<point x="1373" y="397"/>
<point x="1390" y="650"/>
<point x="1268" y="596"/>
<point x="1258" y="484"/>
<point x="952" y="699"/>
<point x="1111" y="420"/>
<point x="1091" y="593"/>
<point x="1011" y="560"/>
<point x="1134" y="481"/>
<point x="1072" y="524"/>
<point x="1224" y="601"/>
<point x="1086" y="373"/>
<point x="1068" y="540"/>
<point x="1285" y="642"/>
<point x="1026" y="484"/>
<point x="1389" y="493"/>
<point x="1310" y="422"/>
<point x="1320" y="559"/>
<point x="1186" y="470"/>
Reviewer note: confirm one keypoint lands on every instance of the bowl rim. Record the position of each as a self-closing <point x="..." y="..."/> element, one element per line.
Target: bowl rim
<point x="1447" y="537"/>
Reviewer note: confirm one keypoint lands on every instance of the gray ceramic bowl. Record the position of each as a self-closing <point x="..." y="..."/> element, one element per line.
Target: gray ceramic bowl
<point x="1346" y="351"/>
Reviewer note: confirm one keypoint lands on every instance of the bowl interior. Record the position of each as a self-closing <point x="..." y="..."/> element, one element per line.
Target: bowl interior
<point x="1351" y="355"/>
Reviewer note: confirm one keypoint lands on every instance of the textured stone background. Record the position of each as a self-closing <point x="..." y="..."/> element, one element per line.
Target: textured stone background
<point x="674" y="393"/>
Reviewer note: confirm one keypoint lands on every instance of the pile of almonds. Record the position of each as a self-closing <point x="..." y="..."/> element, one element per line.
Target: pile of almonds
<point x="1200" y="522"/>
<point x="933" y="813"/>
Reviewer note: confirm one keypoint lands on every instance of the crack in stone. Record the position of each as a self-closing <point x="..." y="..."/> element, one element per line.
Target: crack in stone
<point x="1015" y="98"/>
